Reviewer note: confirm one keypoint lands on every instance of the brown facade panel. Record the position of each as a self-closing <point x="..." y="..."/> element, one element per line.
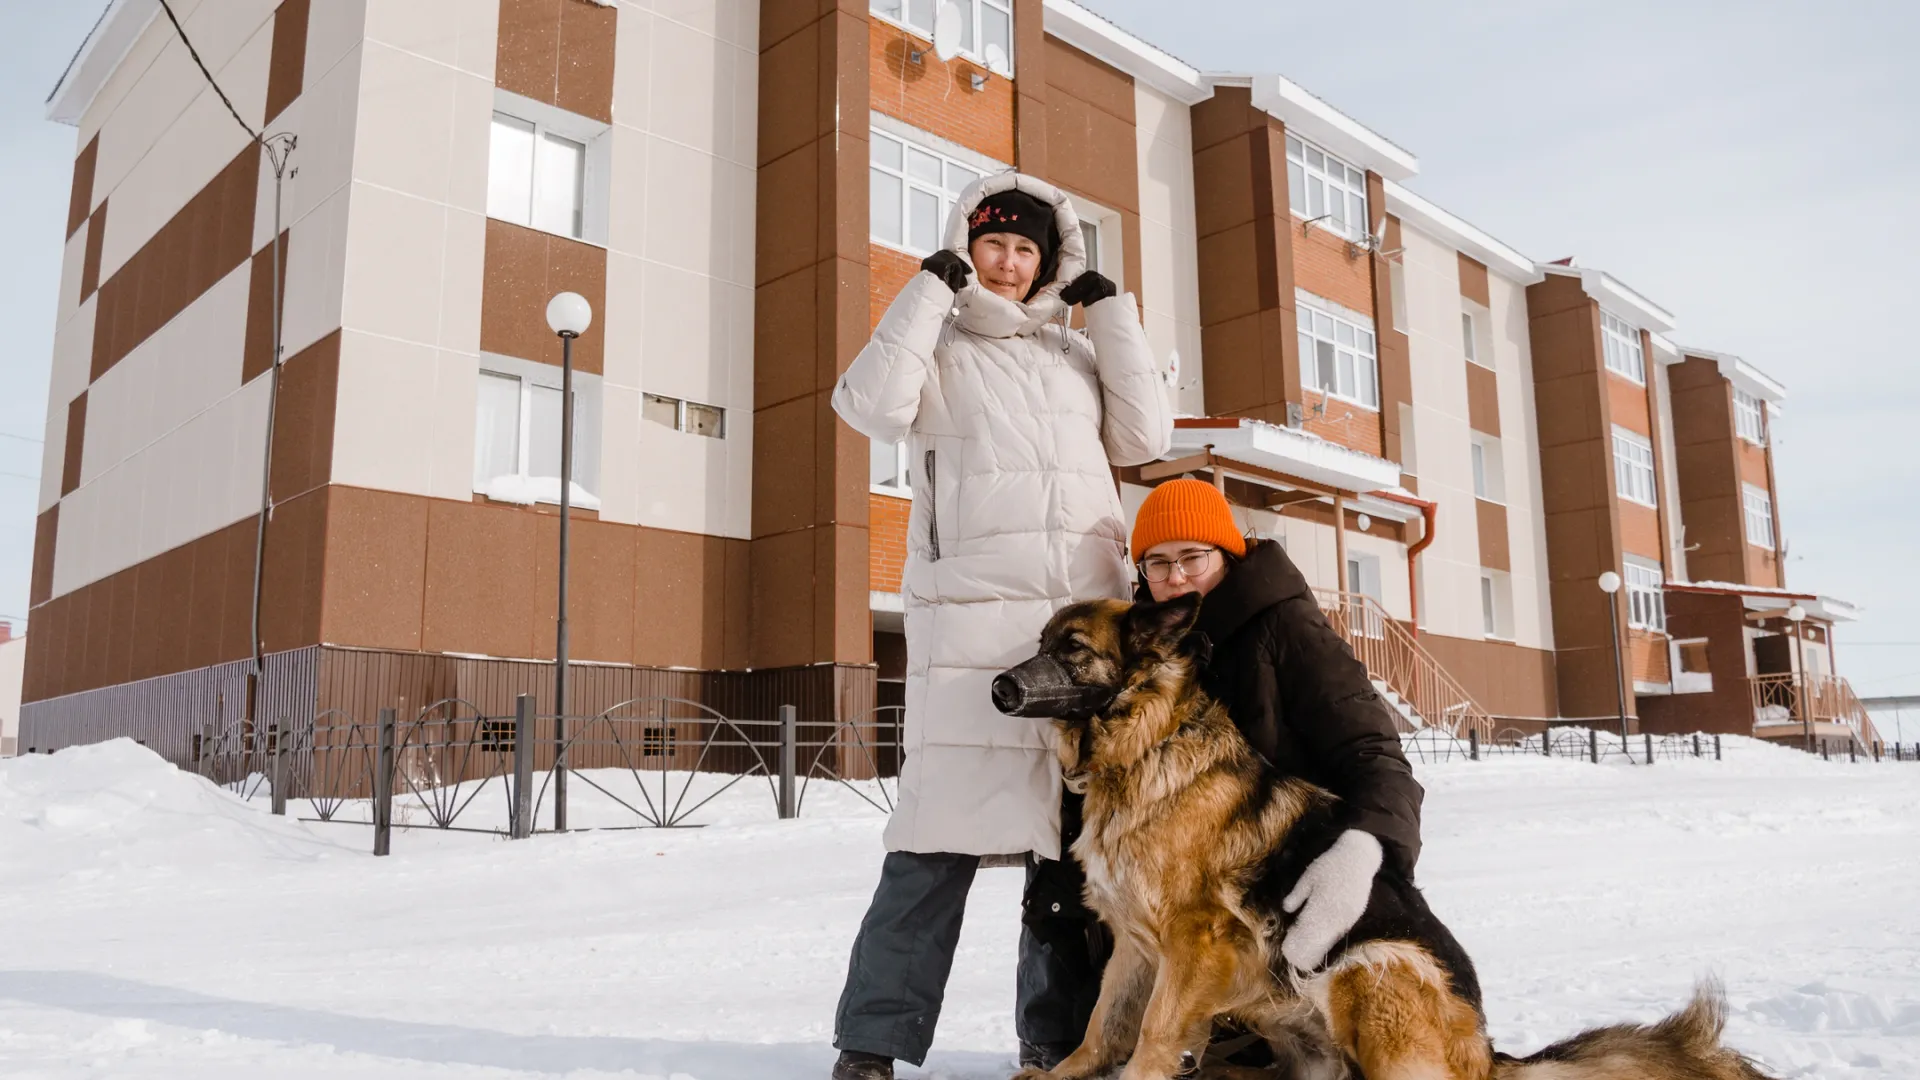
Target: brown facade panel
<point x="1495" y="551"/>
<point x="80" y="201"/>
<point x="1394" y="352"/>
<point x="376" y="560"/>
<point x="1509" y="681"/>
<point x="1473" y="280"/>
<point x="1093" y="146"/>
<point x="1483" y="399"/>
<point x="293" y="575"/>
<point x="90" y="260"/>
<point x="814" y="299"/>
<point x="1627" y="405"/>
<point x="303" y="417"/>
<point x="1030" y="87"/>
<point x="1640" y="531"/>
<point x="76" y="444"/>
<point x="286" y="71"/>
<point x="560" y="52"/>
<point x="524" y="269"/>
<point x="46" y="534"/>
<point x="257" y="353"/>
<point x="202" y="243"/>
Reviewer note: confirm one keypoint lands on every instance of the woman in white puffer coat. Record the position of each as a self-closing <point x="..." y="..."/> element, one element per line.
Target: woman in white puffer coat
<point x="1013" y="424"/>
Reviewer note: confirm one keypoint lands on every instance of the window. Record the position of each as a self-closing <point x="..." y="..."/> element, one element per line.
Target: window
<point x="1646" y="595"/>
<point x="1489" y="473"/>
<point x="889" y="467"/>
<point x="1633" y="467"/>
<point x="1321" y="187"/>
<point x="1747" y="420"/>
<point x="1496" y="604"/>
<point x="1090" y="235"/>
<point x="516" y="434"/>
<point x="536" y="178"/>
<point x="912" y="193"/>
<point x="1689" y="663"/>
<point x="1337" y="357"/>
<point x="1621" y="344"/>
<point x="1466" y="336"/>
<point x="688" y="416"/>
<point x="1759" y="507"/>
<point x="986" y="26"/>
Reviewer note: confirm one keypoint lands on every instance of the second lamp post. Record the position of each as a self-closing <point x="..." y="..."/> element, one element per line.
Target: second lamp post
<point x="569" y="315"/>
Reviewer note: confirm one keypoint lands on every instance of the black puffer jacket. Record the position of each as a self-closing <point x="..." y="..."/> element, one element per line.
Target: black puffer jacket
<point x="1295" y="690"/>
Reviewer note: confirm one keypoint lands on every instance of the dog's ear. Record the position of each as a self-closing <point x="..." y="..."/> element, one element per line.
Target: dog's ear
<point x="1150" y="624"/>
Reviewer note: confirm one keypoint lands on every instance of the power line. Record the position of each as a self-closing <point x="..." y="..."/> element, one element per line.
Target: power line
<point x="195" y="53"/>
<point x="22" y="438"/>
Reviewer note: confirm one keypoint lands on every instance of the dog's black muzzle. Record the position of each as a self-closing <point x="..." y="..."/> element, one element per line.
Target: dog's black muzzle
<point x="1042" y="687"/>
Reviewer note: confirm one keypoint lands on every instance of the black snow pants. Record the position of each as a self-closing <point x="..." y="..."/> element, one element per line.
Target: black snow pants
<point x="897" y="976"/>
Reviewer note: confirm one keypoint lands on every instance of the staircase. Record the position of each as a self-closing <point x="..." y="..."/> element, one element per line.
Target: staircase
<point x="1421" y="692"/>
<point x="1784" y="703"/>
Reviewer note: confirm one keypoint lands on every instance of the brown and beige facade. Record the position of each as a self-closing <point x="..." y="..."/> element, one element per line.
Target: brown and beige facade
<point x="1445" y="433"/>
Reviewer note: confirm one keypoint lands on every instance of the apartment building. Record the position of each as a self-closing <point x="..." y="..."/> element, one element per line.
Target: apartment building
<point x="1453" y="440"/>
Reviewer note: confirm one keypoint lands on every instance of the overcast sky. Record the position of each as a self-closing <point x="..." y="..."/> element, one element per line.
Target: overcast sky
<point x="1752" y="167"/>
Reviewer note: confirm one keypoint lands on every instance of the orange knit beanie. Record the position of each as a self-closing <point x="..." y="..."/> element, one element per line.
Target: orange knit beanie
<point x="1186" y="509"/>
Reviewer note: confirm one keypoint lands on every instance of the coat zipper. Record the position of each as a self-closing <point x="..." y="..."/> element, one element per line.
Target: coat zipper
<point x="933" y="513"/>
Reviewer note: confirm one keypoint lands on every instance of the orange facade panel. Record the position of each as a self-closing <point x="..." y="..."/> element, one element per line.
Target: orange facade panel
<point x="1650" y="663"/>
<point x="888" y="271"/>
<point x="938" y="97"/>
<point x="1640" y="531"/>
<point x="887" y="521"/>
<point x="1353" y="426"/>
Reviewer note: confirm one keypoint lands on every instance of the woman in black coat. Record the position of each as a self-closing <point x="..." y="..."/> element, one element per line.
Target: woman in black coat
<point x="1296" y="692"/>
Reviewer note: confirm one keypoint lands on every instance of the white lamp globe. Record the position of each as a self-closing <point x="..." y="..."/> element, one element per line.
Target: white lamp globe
<point x="1364" y="522"/>
<point x="1796" y="613"/>
<point x="1609" y="583"/>
<point x="569" y="314"/>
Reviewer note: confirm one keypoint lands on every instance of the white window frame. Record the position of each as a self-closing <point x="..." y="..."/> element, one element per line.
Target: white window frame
<point x="1488" y="468"/>
<point x="1468" y="342"/>
<point x="1748" y="417"/>
<point x="1756" y="507"/>
<point x="1646" y="594"/>
<point x="596" y="161"/>
<point x="946" y="194"/>
<point x="1496" y="605"/>
<point x="917" y="17"/>
<point x="1308" y="164"/>
<point x="1633" y="473"/>
<point x="586" y="434"/>
<point x="1361" y="349"/>
<point x="1621" y="348"/>
<point x="901" y="486"/>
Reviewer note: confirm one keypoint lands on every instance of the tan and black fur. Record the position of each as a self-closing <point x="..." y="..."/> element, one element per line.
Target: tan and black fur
<point x="1189" y="842"/>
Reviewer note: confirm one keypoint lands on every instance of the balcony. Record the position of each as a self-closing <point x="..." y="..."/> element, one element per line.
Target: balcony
<point x="1804" y="708"/>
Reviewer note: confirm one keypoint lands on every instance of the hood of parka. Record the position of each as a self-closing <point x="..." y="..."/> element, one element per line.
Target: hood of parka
<point x="988" y="314"/>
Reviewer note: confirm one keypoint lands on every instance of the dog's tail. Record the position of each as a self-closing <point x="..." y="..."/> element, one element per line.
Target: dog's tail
<point x="1684" y="1046"/>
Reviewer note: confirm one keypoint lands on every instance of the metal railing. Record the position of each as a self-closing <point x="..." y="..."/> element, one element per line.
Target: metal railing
<point x="1392" y="655"/>
<point x="646" y="763"/>
<point x="1790" y="698"/>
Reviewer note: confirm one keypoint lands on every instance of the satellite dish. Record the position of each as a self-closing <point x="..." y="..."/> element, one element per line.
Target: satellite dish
<point x="997" y="58"/>
<point x="946" y="31"/>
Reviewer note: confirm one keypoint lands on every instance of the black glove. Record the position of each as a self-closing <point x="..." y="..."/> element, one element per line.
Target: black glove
<point x="948" y="267"/>
<point x="1089" y="289"/>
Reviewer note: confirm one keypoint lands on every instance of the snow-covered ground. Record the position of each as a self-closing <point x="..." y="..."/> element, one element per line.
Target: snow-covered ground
<point x="157" y="926"/>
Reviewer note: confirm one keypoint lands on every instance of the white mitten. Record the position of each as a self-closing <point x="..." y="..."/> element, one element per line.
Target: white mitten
<point x="1330" y="897"/>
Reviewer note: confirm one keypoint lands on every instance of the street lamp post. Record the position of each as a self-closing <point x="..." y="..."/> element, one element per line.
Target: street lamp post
<point x="1610" y="584"/>
<point x="569" y="315"/>
<point x="1795" y="614"/>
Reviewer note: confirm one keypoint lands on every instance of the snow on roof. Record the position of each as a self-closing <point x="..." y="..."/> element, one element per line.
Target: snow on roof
<point x="1769" y="598"/>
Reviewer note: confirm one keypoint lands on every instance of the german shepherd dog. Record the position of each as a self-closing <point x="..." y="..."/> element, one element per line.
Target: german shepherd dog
<point x="1190" y="840"/>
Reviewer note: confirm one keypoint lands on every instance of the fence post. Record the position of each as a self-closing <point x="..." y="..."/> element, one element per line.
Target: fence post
<point x="1648" y="736"/>
<point x="789" y="753"/>
<point x="1473" y="744"/>
<point x="1696" y="744"/>
<point x="1853" y="755"/>
<point x="1546" y="743"/>
<point x="1716" y="748"/>
<point x="522" y="824"/>
<point x="383" y="787"/>
<point x="1823" y="751"/>
<point x="1876" y="751"/>
<point x="277" y="746"/>
<point x="1593" y="745"/>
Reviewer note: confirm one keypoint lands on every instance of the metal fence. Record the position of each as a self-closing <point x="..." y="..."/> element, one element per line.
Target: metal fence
<point x="649" y="763"/>
<point x="1583" y="743"/>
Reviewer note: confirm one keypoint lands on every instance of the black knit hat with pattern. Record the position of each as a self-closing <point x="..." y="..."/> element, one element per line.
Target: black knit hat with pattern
<point x="1015" y="211"/>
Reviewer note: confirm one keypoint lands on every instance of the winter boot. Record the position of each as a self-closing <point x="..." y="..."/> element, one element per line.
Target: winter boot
<point x="860" y="1065"/>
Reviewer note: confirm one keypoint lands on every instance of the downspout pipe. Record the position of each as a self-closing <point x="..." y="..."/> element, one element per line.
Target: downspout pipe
<point x="1429" y="512"/>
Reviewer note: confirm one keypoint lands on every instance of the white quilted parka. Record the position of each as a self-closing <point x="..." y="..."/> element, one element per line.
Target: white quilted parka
<point x="1012" y="422"/>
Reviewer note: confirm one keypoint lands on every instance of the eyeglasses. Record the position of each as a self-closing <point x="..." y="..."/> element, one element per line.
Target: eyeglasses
<point x="1192" y="564"/>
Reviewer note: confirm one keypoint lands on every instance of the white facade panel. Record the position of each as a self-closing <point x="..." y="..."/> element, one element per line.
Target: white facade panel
<point x="1169" y="253"/>
<point x="1450" y="566"/>
<point x="453" y="33"/>
<point x="1520" y="446"/>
